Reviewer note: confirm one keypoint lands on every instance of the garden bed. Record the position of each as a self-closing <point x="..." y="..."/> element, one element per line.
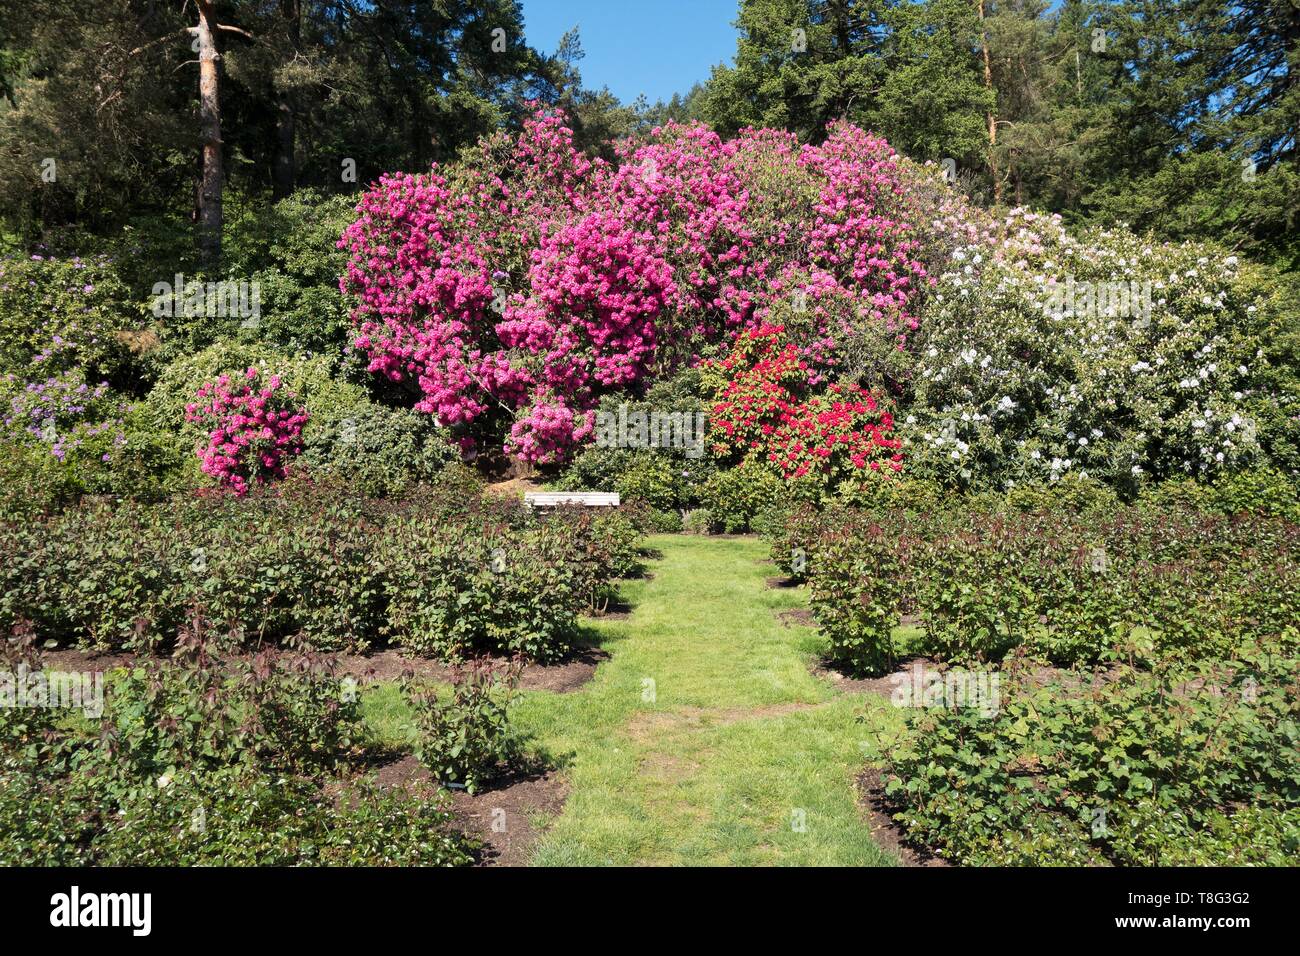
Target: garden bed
<point x="507" y="818"/>
<point x="885" y="830"/>
<point x="561" y="676"/>
<point x="444" y="574"/>
<point x="1138" y="582"/>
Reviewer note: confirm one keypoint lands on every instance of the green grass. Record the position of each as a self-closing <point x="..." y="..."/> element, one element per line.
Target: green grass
<point x="388" y="720"/>
<point x="704" y="739"/>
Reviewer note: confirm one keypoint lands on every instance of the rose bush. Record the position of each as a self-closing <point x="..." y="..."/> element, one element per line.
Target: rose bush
<point x="1189" y="763"/>
<point x="1094" y="585"/>
<point x="445" y="570"/>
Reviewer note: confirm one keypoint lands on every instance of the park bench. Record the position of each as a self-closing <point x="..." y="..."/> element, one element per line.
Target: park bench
<point x="588" y="499"/>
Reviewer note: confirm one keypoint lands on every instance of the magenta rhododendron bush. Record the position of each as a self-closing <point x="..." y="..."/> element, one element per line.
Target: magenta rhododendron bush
<point x="522" y="284"/>
<point x="254" y="429"/>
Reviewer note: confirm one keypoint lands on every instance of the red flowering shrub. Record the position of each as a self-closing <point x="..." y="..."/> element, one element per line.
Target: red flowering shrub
<point x="833" y="434"/>
<point x="764" y="413"/>
<point x="762" y="381"/>
<point x="253" y="431"/>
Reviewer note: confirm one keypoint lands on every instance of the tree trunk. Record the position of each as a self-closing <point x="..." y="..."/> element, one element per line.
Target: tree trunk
<point x="284" y="176"/>
<point x="992" y="113"/>
<point x="210" y="184"/>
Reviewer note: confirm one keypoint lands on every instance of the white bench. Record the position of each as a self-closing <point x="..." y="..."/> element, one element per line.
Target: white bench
<point x="588" y="499"/>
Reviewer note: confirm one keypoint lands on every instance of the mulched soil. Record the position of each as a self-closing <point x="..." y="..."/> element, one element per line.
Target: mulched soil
<point x="561" y="677"/>
<point x="75" y="660"/>
<point x="1042" y="676"/>
<point x="782" y="582"/>
<point x="616" y="611"/>
<point x="515" y="487"/>
<point x="508" y="818"/>
<point x="887" y="833"/>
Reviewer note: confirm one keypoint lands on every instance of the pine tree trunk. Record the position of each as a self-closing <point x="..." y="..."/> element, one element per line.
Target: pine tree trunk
<point x="210" y="185"/>
<point x="992" y="113"/>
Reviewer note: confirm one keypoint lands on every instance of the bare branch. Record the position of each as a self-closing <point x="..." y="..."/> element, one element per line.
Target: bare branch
<point x="163" y="39"/>
<point x="242" y="33"/>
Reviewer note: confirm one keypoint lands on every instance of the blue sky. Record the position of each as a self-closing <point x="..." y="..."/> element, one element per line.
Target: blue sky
<point x="655" y="47"/>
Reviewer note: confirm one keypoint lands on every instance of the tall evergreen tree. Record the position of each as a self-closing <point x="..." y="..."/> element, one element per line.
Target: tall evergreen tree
<point x="125" y="96"/>
<point x="1179" y="115"/>
<point x="1203" y="130"/>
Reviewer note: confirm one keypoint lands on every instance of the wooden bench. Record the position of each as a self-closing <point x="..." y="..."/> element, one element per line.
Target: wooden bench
<point x="588" y="499"/>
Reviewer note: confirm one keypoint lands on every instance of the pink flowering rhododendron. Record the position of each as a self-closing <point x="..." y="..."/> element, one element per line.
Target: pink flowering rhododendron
<point x="253" y="429"/>
<point x="518" y="287"/>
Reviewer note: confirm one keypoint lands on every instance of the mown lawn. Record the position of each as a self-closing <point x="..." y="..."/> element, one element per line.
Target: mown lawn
<point x="704" y="739"/>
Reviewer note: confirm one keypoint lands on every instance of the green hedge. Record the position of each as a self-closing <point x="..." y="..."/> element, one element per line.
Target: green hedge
<point x="443" y="571"/>
<point x="1071" y="587"/>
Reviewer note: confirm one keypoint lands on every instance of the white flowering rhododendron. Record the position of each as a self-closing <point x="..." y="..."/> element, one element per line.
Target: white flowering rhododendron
<point x="1042" y="355"/>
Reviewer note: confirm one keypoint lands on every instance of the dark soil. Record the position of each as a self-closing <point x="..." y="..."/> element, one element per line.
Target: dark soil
<point x="75" y="660"/>
<point x="887" y="833"/>
<point x="508" y="818"/>
<point x="796" y="617"/>
<point x="616" y="611"/>
<point x="560" y="677"/>
<point x="781" y="581"/>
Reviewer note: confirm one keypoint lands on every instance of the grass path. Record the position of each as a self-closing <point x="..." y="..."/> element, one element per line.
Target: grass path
<point x="705" y="739"/>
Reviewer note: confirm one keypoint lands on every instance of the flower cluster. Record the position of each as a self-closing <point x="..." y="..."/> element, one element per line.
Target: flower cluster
<point x="60" y="314"/>
<point x="765" y="413"/>
<point x="64" y="413"/>
<point x="530" y="279"/>
<point x="1020" y="378"/>
<point x="252" y="430"/>
<point x="835" y="433"/>
<point x="548" y="432"/>
<point x="763" y="381"/>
